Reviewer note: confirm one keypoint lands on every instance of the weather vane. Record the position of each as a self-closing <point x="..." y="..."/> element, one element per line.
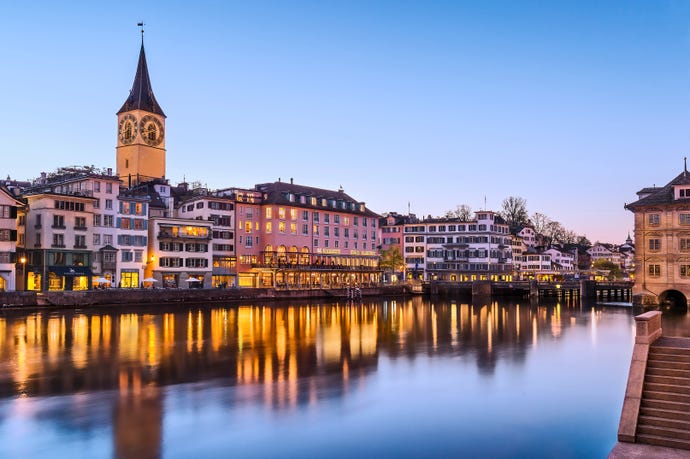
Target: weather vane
<point x="141" y="24"/>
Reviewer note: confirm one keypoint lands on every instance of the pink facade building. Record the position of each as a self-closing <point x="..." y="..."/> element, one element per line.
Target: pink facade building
<point x="307" y="237"/>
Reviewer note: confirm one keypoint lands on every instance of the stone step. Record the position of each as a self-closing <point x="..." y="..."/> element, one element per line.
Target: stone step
<point x="675" y="415"/>
<point x="661" y="431"/>
<point x="655" y="363"/>
<point x="665" y="422"/>
<point x="669" y="352"/>
<point x="662" y="393"/>
<point x="668" y="358"/>
<point x="664" y="371"/>
<point x="663" y="441"/>
<point x="668" y="405"/>
<point x="682" y="383"/>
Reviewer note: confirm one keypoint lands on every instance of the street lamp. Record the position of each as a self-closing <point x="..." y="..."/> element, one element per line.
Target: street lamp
<point x="22" y="260"/>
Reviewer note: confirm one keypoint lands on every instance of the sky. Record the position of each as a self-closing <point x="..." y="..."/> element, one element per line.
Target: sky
<point x="421" y="105"/>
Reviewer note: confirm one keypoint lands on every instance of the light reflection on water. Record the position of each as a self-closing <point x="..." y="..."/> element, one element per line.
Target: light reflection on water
<point x="410" y="378"/>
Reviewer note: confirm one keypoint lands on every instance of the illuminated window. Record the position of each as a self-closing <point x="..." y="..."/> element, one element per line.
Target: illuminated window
<point x="247" y="227"/>
<point x="281" y="227"/>
<point x="269" y="227"/>
<point x="293" y="228"/>
<point x="281" y="213"/>
<point x="269" y="212"/>
<point x="293" y="214"/>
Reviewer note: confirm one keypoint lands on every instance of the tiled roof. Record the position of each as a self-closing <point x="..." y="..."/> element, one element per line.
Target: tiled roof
<point x="141" y="95"/>
<point x="660" y="196"/>
<point x="278" y="193"/>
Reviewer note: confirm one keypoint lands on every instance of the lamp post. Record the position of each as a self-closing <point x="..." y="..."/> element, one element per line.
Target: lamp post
<point x="22" y="261"/>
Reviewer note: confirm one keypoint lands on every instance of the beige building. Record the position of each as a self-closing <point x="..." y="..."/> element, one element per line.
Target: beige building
<point x="662" y="243"/>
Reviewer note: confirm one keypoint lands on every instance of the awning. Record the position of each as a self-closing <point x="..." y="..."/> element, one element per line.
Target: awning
<point x="70" y="270"/>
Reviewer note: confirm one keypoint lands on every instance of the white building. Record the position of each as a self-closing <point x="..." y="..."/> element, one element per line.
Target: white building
<point x="179" y="255"/>
<point x="218" y="209"/>
<point x="449" y="249"/>
<point x="8" y="241"/>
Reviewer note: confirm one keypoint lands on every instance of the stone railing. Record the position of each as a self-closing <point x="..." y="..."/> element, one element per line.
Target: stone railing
<point x="647" y="330"/>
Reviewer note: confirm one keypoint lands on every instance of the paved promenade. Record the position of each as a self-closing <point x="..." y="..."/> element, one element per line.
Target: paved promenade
<point x="637" y="450"/>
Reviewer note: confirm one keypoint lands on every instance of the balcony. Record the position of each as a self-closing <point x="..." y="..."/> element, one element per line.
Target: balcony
<point x="80" y="228"/>
<point x="79" y="246"/>
<point x="58" y="246"/>
<point x="59" y="227"/>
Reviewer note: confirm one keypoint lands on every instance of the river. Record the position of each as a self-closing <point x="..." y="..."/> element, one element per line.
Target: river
<point x="385" y="378"/>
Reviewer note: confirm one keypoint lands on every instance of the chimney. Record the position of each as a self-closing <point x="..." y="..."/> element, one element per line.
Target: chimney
<point x="110" y="171"/>
<point x="291" y="182"/>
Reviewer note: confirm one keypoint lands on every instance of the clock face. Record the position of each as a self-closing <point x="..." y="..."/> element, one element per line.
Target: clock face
<point x="151" y="130"/>
<point x="127" y="130"/>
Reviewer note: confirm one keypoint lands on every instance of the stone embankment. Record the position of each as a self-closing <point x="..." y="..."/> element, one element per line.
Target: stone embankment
<point x="115" y="296"/>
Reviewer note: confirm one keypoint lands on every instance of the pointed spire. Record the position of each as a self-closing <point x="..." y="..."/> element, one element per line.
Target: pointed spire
<point x="141" y="95"/>
<point x="685" y="164"/>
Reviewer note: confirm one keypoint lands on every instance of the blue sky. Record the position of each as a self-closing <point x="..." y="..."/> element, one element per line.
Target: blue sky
<point x="574" y="106"/>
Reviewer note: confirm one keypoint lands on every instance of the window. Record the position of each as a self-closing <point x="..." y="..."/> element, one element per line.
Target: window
<point x="281" y="227"/>
<point x="336" y="219"/>
<point x="58" y="221"/>
<point x="96" y="239"/>
<point x="269" y="212"/>
<point x="655" y="244"/>
<point x="80" y="241"/>
<point x="685" y="244"/>
<point x="305" y="215"/>
<point x="80" y="222"/>
<point x="269" y="227"/>
<point x="281" y="213"/>
<point x="293" y="214"/>
<point x="305" y="229"/>
<point x="109" y="204"/>
<point x="293" y="228"/>
<point x="97" y="187"/>
<point x="315" y="217"/>
<point x="97" y="204"/>
<point x="326" y="218"/>
<point x="108" y="188"/>
<point x="108" y="239"/>
<point x="654" y="270"/>
<point x="684" y="219"/>
<point x="654" y="219"/>
<point x="684" y="270"/>
<point x="58" y="240"/>
<point x="108" y="221"/>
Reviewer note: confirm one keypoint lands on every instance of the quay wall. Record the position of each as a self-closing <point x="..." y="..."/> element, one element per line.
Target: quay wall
<point x="115" y="296"/>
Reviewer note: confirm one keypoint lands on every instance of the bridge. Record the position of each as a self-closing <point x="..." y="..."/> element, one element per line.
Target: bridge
<point x="603" y="291"/>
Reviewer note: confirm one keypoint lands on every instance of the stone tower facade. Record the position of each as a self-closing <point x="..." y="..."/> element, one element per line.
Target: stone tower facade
<point x="140" y="131"/>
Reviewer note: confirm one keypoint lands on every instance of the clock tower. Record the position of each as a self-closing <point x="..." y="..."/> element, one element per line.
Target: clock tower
<point x="140" y="131"/>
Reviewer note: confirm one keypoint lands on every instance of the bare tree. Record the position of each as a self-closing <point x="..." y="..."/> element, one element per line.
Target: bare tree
<point x="540" y="222"/>
<point x="462" y="211"/>
<point x="514" y="212"/>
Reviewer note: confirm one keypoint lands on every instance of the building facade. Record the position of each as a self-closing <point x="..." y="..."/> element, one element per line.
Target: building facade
<point x="450" y="249"/>
<point x="662" y="243"/>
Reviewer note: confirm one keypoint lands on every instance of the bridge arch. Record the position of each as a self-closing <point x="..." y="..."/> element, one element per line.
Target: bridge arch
<point x="673" y="300"/>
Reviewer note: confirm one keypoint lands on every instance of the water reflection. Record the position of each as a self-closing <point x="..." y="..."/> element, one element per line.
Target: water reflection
<point x="63" y="353"/>
<point x="111" y="370"/>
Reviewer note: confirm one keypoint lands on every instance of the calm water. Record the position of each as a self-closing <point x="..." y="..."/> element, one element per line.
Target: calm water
<point x="385" y="379"/>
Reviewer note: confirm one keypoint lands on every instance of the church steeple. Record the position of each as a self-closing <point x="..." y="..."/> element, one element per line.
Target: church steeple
<point x="141" y="95"/>
<point x="141" y="130"/>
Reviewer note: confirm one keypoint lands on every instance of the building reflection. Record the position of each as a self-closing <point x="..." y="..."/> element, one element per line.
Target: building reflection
<point x="291" y="355"/>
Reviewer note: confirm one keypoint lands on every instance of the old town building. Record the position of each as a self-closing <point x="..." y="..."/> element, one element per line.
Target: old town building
<point x="662" y="243"/>
<point x="451" y="249"/>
